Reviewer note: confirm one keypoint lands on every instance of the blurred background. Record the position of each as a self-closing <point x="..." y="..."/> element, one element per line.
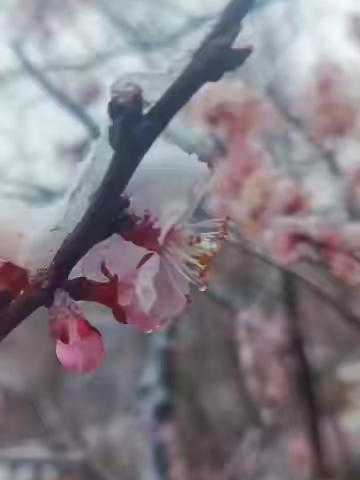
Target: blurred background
<point x="218" y="396"/>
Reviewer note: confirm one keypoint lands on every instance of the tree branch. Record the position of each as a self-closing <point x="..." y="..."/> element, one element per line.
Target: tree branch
<point x="304" y="378"/>
<point x="135" y="133"/>
<point x="343" y="311"/>
<point x="155" y="401"/>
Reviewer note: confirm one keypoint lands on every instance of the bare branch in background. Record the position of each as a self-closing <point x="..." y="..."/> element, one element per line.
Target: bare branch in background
<point x="142" y="40"/>
<point x="56" y="93"/>
<point x="133" y="36"/>
<point x="304" y="381"/>
<point x="291" y="119"/>
<point x="155" y="402"/>
<point x="344" y="312"/>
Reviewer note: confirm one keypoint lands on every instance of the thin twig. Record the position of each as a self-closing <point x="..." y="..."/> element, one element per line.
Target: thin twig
<point x="102" y="56"/>
<point x="61" y="97"/>
<point x="345" y="313"/>
<point x="141" y="39"/>
<point x="297" y="123"/>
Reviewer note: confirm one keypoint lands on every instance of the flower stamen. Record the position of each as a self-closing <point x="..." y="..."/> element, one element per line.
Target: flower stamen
<point x="192" y="248"/>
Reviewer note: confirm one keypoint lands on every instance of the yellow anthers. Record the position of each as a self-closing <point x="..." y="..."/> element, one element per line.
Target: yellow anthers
<point x="192" y="248"/>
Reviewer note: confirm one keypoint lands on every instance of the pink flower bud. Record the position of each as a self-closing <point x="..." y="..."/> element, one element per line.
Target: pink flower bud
<point x="79" y="346"/>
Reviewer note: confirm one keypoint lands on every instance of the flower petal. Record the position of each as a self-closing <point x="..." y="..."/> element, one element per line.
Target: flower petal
<point x="172" y="290"/>
<point x="161" y="294"/>
<point x="145" y="285"/>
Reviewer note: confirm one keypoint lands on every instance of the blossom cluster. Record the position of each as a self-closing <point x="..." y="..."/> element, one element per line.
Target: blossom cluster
<point x="266" y="201"/>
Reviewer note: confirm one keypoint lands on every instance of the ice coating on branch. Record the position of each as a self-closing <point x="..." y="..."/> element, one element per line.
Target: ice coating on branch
<point x="168" y="186"/>
<point x="44" y="230"/>
<point x="166" y="173"/>
<point x="125" y="92"/>
<point x="48" y="235"/>
<point x="190" y="139"/>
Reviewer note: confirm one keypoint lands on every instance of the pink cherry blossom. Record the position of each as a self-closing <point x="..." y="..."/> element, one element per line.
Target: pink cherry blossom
<point x="255" y="201"/>
<point x="287" y="245"/>
<point x="290" y="239"/>
<point x="154" y="267"/>
<point x="79" y="346"/>
<point x="153" y="295"/>
<point x="337" y="246"/>
<point x="265" y="203"/>
<point x="245" y="186"/>
<point x="157" y="258"/>
<point x="232" y="112"/>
